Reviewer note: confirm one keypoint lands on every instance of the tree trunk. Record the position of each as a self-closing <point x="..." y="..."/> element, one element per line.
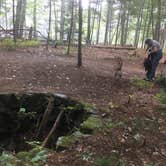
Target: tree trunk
<point x="123" y="21"/>
<point x="80" y="35"/>
<point x="145" y="24"/>
<point x="14" y="32"/>
<point x="126" y="28"/>
<point x="49" y="26"/>
<point x="71" y="27"/>
<point x="158" y="22"/>
<point x="152" y="18"/>
<point x="99" y="24"/>
<point x="89" y="24"/>
<point x="23" y="17"/>
<point x="149" y="22"/>
<point x="117" y="28"/>
<point x="93" y="21"/>
<point x="34" y="19"/>
<point x="55" y="15"/>
<point x="6" y="17"/>
<point x="62" y="20"/>
<point x="20" y="17"/>
<point x="108" y="21"/>
<point x="138" y="26"/>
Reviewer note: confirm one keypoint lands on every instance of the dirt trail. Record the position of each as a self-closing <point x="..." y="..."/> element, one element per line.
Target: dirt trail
<point x="35" y="70"/>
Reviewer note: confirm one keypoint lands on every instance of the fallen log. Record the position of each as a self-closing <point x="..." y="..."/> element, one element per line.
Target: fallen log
<point x="11" y="31"/>
<point x="113" y="47"/>
<point x="46" y="116"/>
<point x="53" y="130"/>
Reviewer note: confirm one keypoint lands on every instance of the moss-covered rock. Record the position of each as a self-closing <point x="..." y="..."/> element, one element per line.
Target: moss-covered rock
<point x="65" y="142"/>
<point x="91" y="124"/>
<point x="90" y="108"/>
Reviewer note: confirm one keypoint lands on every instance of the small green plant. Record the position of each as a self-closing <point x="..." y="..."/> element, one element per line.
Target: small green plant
<point x="34" y="144"/>
<point x="161" y="97"/>
<point x="60" y="42"/>
<point x="88" y="107"/>
<point x="35" y="157"/>
<point x="91" y="124"/>
<point x="28" y="43"/>
<point x="8" y="44"/>
<point x="22" y="114"/>
<point x="145" y="124"/>
<point x="143" y="84"/>
<point x="150" y="164"/>
<point x="7" y="159"/>
<point x="112" y="161"/>
<point x="109" y="124"/>
<point x="76" y="107"/>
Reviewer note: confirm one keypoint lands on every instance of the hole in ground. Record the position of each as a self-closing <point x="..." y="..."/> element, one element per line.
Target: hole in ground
<point x="21" y="116"/>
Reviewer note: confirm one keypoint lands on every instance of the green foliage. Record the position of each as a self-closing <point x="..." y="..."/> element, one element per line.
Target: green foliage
<point x="161" y="97"/>
<point x="150" y="164"/>
<point x="108" y="124"/>
<point x="22" y="110"/>
<point x="112" y="161"/>
<point x="88" y="107"/>
<point x="9" y="45"/>
<point x="59" y="43"/>
<point x="143" y="84"/>
<point x="77" y="107"/>
<point x="32" y="158"/>
<point x="86" y="156"/>
<point x="28" y="43"/>
<point x="66" y="141"/>
<point x="146" y="124"/>
<point x="34" y="144"/>
<point x="91" y="124"/>
<point x="22" y="114"/>
<point x="7" y="159"/>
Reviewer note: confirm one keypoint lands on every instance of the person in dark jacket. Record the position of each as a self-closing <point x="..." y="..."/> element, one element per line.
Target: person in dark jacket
<point x="154" y="55"/>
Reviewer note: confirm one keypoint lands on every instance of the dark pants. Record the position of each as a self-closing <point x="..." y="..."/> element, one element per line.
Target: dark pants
<point x="155" y="59"/>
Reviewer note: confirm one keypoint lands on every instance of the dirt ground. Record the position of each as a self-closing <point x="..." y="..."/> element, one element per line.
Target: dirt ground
<point x="35" y="70"/>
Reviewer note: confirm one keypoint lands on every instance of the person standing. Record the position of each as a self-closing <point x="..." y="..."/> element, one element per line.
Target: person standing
<point x="154" y="55"/>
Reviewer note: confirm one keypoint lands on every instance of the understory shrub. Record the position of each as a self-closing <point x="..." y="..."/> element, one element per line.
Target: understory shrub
<point x="9" y="45"/>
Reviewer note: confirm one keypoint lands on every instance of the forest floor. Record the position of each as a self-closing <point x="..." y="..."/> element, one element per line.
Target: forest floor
<point x="140" y="141"/>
